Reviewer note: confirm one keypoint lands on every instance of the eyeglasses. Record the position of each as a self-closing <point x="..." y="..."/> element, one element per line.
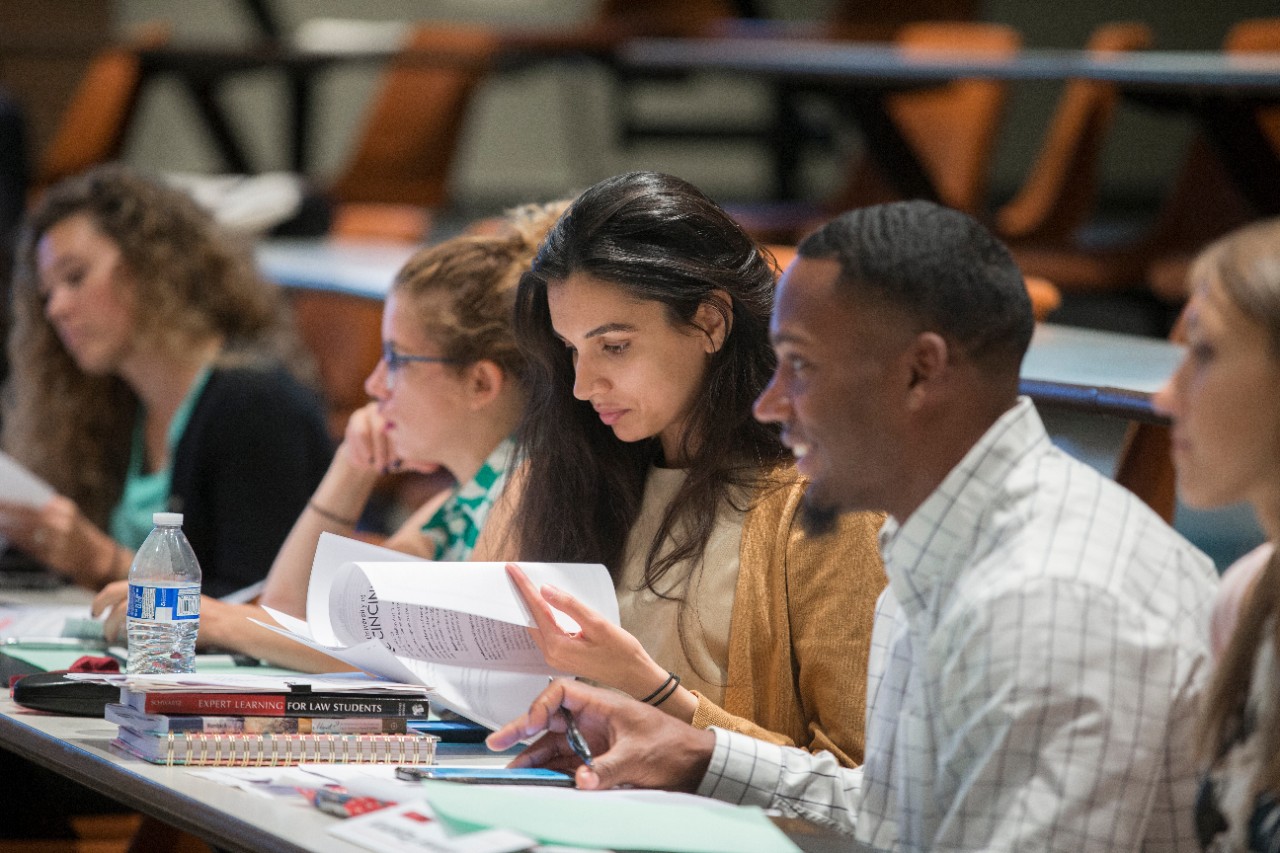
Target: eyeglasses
<point x="396" y="360"/>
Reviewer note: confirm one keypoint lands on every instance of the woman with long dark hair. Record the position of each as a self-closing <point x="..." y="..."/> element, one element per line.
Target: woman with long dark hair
<point x="1225" y="404"/>
<point x="645" y="321"/>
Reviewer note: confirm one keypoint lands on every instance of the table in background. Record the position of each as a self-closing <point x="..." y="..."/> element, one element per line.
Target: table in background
<point x="1080" y="369"/>
<point x="1096" y="372"/>
<point x="1222" y="91"/>
<point x="203" y="69"/>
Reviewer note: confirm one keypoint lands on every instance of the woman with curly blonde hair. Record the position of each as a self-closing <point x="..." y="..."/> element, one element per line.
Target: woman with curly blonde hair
<point x="1226" y="444"/>
<point x="147" y="374"/>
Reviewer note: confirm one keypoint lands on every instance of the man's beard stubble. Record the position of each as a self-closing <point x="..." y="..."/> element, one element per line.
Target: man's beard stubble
<point x="817" y="520"/>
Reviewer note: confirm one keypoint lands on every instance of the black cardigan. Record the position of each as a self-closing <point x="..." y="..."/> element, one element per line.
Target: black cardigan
<point x="251" y="456"/>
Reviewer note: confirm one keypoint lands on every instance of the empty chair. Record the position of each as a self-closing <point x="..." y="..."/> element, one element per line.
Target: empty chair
<point x="1258" y="35"/>
<point x="952" y="129"/>
<point x="93" y="126"/>
<point x="343" y="333"/>
<point x="1060" y="192"/>
<point x="400" y="166"/>
<point x="1205" y="205"/>
<point x="1042" y="221"/>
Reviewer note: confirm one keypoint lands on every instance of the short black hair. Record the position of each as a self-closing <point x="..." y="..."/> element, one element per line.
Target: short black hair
<point x="938" y="266"/>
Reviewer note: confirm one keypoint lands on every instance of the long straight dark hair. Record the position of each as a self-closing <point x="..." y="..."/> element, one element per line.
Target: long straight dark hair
<point x="660" y="239"/>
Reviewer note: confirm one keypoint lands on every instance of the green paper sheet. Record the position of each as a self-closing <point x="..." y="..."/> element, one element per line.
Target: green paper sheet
<point x="587" y="819"/>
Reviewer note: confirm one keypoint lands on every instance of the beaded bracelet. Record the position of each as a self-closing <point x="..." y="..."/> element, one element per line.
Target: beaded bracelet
<point x="332" y="516"/>
<point x="672" y="682"/>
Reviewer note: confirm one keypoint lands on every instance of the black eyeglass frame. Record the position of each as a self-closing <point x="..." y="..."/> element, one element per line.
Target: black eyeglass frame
<point x="396" y="360"/>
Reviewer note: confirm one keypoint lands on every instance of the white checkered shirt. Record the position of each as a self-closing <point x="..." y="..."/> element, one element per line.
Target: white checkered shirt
<point x="1034" y="672"/>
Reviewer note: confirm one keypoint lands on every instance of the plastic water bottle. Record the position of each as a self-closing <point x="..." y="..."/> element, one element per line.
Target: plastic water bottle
<point x="164" y="600"/>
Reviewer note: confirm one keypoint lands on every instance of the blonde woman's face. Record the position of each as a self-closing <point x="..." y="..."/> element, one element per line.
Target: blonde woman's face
<point x="424" y="403"/>
<point x="1225" y="403"/>
<point x="87" y="297"/>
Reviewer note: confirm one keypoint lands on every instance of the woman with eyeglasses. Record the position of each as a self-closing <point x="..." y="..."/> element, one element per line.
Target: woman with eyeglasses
<point x="150" y="372"/>
<point x="1225" y="407"/>
<point x="645" y="317"/>
<point x="448" y="392"/>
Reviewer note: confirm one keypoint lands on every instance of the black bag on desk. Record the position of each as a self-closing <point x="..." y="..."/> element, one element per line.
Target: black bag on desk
<point x="57" y="694"/>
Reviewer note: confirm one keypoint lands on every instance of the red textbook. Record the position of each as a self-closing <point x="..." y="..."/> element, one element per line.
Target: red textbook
<point x="285" y="703"/>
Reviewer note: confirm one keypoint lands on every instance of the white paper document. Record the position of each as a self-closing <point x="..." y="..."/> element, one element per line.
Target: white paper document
<point x="19" y="486"/>
<point x="458" y="628"/>
<point x="53" y="620"/>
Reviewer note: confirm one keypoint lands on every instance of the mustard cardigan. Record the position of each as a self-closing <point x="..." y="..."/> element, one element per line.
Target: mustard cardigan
<point x="800" y="630"/>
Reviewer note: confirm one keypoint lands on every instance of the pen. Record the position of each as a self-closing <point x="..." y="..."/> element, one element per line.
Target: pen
<point x="576" y="741"/>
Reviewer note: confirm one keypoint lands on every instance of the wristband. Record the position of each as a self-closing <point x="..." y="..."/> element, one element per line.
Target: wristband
<point x="664" y="691"/>
<point x="332" y="516"/>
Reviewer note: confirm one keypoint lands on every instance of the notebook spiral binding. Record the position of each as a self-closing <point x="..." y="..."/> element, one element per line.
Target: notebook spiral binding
<point x="265" y="750"/>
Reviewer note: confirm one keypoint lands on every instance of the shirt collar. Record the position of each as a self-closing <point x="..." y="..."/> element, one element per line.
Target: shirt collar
<point x="460" y="519"/>
<point x="935" y="542"/>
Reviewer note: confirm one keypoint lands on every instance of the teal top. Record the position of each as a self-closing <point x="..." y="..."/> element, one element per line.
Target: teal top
<point x="455" y="527"/>
<point x="148" y="493"/>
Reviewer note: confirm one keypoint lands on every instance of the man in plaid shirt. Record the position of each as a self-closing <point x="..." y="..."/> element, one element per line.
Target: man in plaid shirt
<point x="1040" y="648"/>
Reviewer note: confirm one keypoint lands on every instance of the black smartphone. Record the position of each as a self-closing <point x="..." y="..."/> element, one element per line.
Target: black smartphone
<point x="487" y="775"/>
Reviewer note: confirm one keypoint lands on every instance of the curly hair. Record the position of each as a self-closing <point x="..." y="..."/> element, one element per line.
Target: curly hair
<point x="659" y="239"/>
<point x="192" y="283"/>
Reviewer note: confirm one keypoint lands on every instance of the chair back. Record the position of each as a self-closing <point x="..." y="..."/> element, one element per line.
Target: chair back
<point x="1061" y="189"/>
<point x="93" y="126"/>
<point x="1205" y="203"/>
<point x="343" y="333"/>
<point x="406" y="148"/>
<point x="875" y="20"/>
<point x="1258" y="35"/>
<point x="670" y="18"/>
<point x="952" y="128"/>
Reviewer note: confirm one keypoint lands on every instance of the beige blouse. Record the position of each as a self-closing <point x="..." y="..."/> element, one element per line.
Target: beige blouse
<point x="698" y="649"/>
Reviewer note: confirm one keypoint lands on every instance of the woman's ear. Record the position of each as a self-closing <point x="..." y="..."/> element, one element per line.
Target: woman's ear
<point x="485" y="381"/>
<point x="715" y="318"/>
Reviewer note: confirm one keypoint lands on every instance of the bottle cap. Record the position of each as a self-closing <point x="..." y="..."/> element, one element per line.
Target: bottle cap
<point x="167" y="519"/>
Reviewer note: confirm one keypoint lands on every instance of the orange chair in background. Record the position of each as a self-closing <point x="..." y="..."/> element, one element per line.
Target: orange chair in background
<point x="399" y="170"/>
<point x="93" y="126"/>
<point x="1061" y="190"/>
<point x="1205" y="205"/>
<point x="1042" y="221"/>
<point x="951" y="128"/>
<point x="1258" y="35"/>
<point x="343" y="333"/>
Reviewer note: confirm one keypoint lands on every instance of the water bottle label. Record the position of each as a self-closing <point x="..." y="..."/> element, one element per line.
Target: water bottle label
<point x="164" y="603"/>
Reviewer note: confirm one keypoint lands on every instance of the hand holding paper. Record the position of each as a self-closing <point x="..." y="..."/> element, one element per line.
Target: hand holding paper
<point x="57" y="534"/>
<point x="458" y="628"/>
<point x="599" y="649"/>
<point x="19" y="486"/>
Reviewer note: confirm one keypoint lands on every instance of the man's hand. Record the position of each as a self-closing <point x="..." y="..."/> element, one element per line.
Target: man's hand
<point x="632" y="743"/>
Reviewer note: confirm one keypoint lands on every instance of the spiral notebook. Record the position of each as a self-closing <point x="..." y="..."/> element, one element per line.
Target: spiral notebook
<point x="264" y="750"/>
